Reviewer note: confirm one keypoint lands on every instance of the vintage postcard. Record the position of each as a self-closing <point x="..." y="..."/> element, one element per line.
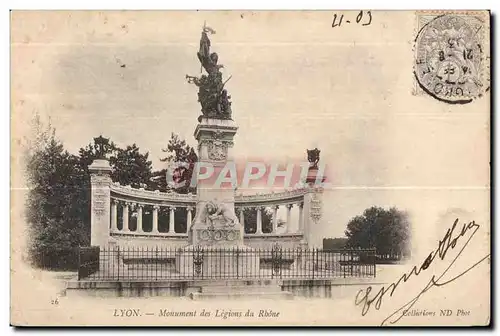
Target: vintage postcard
<point x="267" y="168"/>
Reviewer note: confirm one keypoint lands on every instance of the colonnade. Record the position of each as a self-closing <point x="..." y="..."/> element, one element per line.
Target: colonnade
<point x="274" y="207"/>
<point x="125" y="208"/>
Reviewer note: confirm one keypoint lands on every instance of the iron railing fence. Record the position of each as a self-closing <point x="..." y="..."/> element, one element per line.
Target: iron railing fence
<point x="153" y="264"/>
<point x="390" y="257"/>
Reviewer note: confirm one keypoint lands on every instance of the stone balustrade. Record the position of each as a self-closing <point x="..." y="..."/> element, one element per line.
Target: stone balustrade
<point x="151" y="197"/>
<point x="271" y="198"/>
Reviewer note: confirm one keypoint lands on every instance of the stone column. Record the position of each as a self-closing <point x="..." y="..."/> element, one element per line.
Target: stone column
<point x="189" y="217"/>
<point x="155" y="219"/>
<point x="259" y="220"/>
<point x="301" y="217"/>
<point x="100" y="183"/>
<point x="242" y="217"/>
<point x="312" y="217"/>
<point x="275" y="218"/>
<point x="125" y="217"/>
<point x="114" y="215"/>
<point x="171" y="224"/>
<point x="288" y="218"/>
<point x="139" y="218"/>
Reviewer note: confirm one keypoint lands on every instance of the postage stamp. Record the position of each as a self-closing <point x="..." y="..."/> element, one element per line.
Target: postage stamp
<point x="451" y="56"/>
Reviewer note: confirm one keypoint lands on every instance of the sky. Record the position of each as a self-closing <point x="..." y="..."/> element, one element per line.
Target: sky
<point x="297" y="83"/>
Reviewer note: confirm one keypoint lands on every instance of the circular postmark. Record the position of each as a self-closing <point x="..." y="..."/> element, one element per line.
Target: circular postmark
<point x="449" y="58"/>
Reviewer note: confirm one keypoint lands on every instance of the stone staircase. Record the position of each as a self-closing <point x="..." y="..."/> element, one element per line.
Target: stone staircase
<point x="240" y="289"/>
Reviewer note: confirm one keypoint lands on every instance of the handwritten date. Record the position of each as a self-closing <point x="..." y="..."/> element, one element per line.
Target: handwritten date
<point x="364" y="18"/>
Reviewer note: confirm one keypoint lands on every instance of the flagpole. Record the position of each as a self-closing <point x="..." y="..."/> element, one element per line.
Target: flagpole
<point x="203" y="29"/>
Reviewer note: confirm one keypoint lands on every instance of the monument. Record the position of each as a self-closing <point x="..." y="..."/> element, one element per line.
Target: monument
<point x="215" y="226"/>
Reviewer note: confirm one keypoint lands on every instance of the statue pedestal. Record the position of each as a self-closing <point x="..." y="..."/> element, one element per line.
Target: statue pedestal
<point x="215" y="224"/>
<point x="215" y="139"/>
<point x="314" y="179"/>
<point x="216" y="247"/>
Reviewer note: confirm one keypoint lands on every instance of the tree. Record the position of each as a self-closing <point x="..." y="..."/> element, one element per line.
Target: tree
<point x="56" y="210"/>
<point x="386" y="230"/>
<point x="251" y="220"/>
<point x="58" y="202"/>
<point x="334" y="243"/>
<point x="184" y="157"/>
<point x="130" y="167"/>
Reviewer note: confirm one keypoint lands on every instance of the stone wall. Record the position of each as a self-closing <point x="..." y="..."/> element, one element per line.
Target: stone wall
<point x="329" y="288"/>
<point x="150" y="241"/>
<point x="130" y="288"/>
<point x="286" y="241"/>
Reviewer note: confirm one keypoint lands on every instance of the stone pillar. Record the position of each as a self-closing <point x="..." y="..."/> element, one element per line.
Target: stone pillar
<point x="125" y="217"/>
<point x="275" y="218"/>
<point x="155" y="219"/>
<point x="114" y="215"/>
<point x="215" y="141"/>
<point x="301" y="217"/>
<point x="189" y="217"/>
<point x="139" y="218"/>
<point x="312" y="217"/>
<point x="259" y="220"/>
<point x="100" y="182"/>
<point x="171" y="224"/>
<point x="313" y="207"/>
<point x="242" y="217"/>
<point x="288" y="218"/>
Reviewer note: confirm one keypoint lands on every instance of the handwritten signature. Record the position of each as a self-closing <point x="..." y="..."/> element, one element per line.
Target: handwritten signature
<point x="366" y="299"/>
